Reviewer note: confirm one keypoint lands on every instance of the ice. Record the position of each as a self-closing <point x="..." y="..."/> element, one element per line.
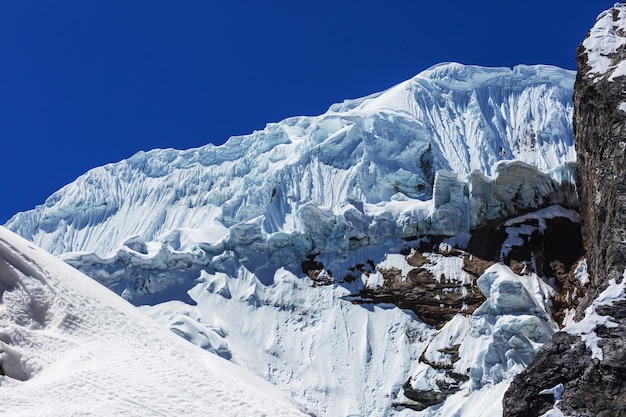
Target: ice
<point x="453" y="117"/>
<point x="494" y="344"/>
<point x="508" y="328"/>
<point x="459" y="205"/>
<point x="213" y="241"/>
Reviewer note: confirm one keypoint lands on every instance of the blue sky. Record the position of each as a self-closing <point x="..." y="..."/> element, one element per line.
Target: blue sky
<point x="85" y="83"/>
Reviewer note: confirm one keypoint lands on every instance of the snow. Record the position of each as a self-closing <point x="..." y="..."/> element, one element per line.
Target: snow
<point x="453" y="117"/>
<point x="69" y="346"/>
<point x="586" y="328"/>
<point x="580" y="272"/>
<point x="495" y="343"/>
<point x="604" y="39"/>
<point x="553" y="412"/>
<point x="543" y="214"/>
<point x="556" y="391"/>
<point x="484" y="402"/>
<point x="336" y="357"/>
<point x="515" y="228"/>
<point x="450" y="267"/>
<point x="210" y="242"/>
<point x="509" y="327"/>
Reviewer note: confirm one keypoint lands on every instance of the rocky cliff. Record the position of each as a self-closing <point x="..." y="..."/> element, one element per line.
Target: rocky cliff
<point x="582" y="370"/>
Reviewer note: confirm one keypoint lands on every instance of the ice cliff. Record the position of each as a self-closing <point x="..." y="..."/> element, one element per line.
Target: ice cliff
<point x="453" y="117"/>
<point x="401" y="253"/>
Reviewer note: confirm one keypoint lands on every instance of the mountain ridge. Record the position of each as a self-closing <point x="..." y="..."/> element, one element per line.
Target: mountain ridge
<point x="306" y="236"/>
<point x="359" y="153"/>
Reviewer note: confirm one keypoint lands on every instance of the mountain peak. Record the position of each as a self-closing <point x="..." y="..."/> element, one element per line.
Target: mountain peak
<point x="451" y="116"/>
<point x="605" y="40"/>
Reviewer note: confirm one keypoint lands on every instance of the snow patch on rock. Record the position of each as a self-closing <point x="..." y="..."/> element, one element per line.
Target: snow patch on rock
<point x="586" y="328"/>
<point x="604" y="39"/>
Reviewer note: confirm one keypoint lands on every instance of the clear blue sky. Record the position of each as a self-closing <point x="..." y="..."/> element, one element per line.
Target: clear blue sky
<point x="84" y="83"/>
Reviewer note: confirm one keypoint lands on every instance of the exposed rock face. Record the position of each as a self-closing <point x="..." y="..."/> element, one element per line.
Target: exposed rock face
<point x="447" y="287"/>
<point x="593" y="387"/>
<point x="600" y="135"/>
<point x="436" y="297"/>
<point x="594" y="382"/>
<point x="430" y="292"/>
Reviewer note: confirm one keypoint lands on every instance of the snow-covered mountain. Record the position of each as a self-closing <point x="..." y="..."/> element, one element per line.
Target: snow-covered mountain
<point x="350" y="258"/>
<point x="70" y="347"/>
<point x="454" y="117"/>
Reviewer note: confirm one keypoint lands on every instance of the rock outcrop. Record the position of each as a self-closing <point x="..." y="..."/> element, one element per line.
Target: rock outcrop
<point x="589" y="358"/>
<point x="600" y="135"/>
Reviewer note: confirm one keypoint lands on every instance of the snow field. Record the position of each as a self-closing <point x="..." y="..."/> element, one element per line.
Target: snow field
<point x="213" y="239"/>
<point x="71" y="347"/>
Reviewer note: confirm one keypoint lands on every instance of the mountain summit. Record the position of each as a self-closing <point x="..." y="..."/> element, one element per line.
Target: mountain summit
<point x="451" y="116"/>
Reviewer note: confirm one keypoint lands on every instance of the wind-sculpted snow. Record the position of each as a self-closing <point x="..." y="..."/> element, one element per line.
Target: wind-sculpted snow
<point x="70" y="347"/>
<point x="453" y="117"/>
<point x="137" y="268"/>
<point x="230" y="246"/>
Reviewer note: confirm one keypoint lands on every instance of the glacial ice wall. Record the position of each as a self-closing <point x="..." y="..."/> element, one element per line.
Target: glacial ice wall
<point x="137" y="268"/>
<point x="453" y="117"/>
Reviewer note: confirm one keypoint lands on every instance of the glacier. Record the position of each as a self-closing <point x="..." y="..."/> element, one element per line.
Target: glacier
<point x="259" y="250"/>
<point x="453" y="117"/>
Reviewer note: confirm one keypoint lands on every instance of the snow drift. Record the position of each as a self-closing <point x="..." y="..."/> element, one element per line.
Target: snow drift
<point x="69" y="346"/>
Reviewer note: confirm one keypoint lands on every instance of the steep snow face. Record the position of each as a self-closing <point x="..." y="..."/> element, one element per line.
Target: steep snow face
<point x="69" y="346"/>
<point x="218" y="243"/>
<point x="367" y="150"/>
<point x="336" y="357"/>
<point x="341" y="358"/>
<point x="605" y="40"/>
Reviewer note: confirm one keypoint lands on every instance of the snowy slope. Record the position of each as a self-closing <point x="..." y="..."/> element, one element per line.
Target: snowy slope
<point x="70" y="347"/>
<point x="255" y="250"/>
<point x="602" y="44"/>
<point x="451" y="116"/>
<point x="341" y="358"/>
